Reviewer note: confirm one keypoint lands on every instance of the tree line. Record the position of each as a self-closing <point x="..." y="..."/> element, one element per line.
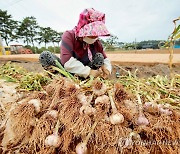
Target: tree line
<point x="30" y="32"/>
<point x="26" y="30"/>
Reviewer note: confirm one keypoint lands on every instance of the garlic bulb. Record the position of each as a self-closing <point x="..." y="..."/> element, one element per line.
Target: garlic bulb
<point x="116" y="118"/>
<point x="135" y="136"/>
<point x="53" y="140"/>
<point x="160" y="106"/>
<point x="82" y="99"/>
<point x="99" y="88"/>
<point x="142" y="120"/>
<point x="147" y="104"/>
<point x="36" y="103"/>
<point x="165" y="111"/>
<point x="130" y="105"/>
<point x="128" y="142"/>
<point x="103" y="98"/>
<point x="87" y="109"/>
<point x="81" y="148"/>
<point x="106" y="118"/>
<point x="53" y="113"/>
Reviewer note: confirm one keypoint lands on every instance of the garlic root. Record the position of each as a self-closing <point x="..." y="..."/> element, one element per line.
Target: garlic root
<point x="81" y="148"/>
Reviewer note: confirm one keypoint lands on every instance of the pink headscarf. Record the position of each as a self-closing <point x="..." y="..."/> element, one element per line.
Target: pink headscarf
<point x="91" y="23"/>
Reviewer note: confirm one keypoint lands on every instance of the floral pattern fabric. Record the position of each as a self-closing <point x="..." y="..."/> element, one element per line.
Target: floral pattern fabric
<point x="91" y="23"/>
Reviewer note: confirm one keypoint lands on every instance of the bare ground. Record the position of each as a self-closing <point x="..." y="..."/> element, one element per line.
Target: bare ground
<point x="143" y="70"/>
<point x="147" y="62"/>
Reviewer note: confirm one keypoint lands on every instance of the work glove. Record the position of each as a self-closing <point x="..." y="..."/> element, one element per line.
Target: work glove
<point x="97" y="61"/>
<point x="47" y="59"/>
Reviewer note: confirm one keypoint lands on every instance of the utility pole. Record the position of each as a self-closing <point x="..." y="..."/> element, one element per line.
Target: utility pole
<point x="135" y="44"/>
<point x="1" y="46"/>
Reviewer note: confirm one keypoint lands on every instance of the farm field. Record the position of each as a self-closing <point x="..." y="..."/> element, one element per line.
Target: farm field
<point x="145" y="51"/>
<point x="139" y="56"/>
<point x="148" y="62"/>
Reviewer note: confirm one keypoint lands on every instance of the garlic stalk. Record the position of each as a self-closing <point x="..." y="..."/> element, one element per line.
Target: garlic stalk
<point x="81" y="148"/>
<point x="61" y="69"/>
<point x="116" y="117"/>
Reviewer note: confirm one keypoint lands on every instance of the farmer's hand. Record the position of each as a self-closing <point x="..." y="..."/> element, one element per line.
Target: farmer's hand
<point x="106" y="73"/>
<point x="95" y="73"/>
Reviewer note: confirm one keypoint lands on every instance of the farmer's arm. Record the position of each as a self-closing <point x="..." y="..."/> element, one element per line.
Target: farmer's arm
<point x="70" y="63"/>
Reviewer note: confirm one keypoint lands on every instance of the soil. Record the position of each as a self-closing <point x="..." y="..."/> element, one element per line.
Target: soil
<point x="145" y="51"/>
<point x="143" y="71"/>
<point x="148" y="62"/>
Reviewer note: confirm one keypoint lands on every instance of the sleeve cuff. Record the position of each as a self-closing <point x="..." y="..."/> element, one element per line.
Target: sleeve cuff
<point x="75" y="66"/>
<point x="107" y="64"/>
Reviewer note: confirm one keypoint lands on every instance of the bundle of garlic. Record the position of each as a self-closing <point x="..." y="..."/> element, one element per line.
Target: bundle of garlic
<point x="97" y="115"/>
<point x="158" y="89"/>
<point x="20" y="122"/>
<point x="162" y="130"/>
<point x="63" y="88"/>
<point x="43" y="127"/>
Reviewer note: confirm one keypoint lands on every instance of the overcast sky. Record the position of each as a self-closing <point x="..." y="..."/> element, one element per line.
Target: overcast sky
<point x="127" y="19"/>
